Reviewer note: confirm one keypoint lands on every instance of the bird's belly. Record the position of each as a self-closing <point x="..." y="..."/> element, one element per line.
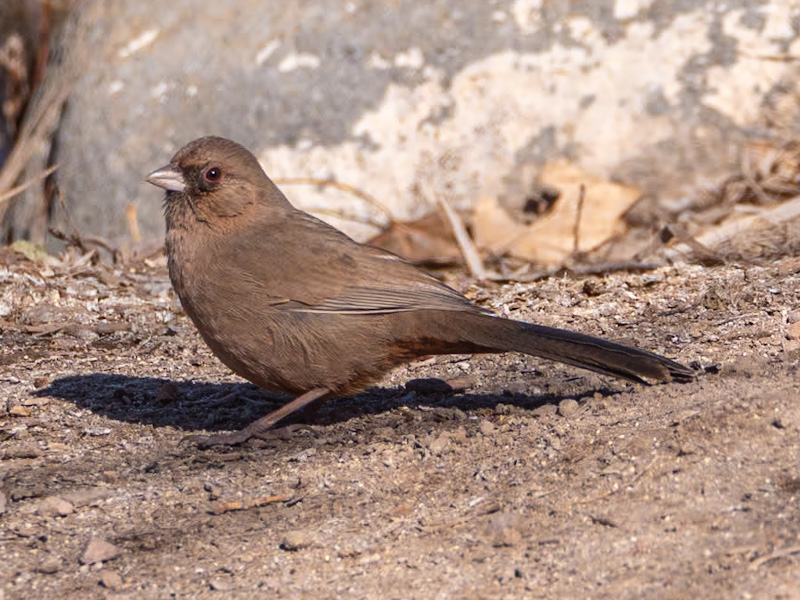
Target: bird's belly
<point x="290" y="352"/>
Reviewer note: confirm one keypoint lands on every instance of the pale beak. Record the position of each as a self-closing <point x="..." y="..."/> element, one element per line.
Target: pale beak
<point x="168" y="178"/>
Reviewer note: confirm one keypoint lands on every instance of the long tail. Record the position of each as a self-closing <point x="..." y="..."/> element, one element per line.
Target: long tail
<point x="493" y="334"/>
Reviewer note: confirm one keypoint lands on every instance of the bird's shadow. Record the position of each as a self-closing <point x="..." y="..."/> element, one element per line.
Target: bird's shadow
<point x="195" y="406"/>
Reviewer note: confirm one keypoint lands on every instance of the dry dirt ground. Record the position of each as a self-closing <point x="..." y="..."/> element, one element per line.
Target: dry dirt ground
<point x="528" y="480"/>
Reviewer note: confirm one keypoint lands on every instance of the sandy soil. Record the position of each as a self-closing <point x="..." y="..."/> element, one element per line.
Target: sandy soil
<point x="527" y="480"/>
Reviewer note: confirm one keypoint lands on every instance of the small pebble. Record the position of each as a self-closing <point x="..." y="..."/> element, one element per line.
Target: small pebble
<point x="54" y="506"/>
<point x="546" y="410"/>
<point x="459" y="436"/>
<point x="99" y="550"/>
<point x="50" y="565"/>
<point x="438" y="445"/>
<point x="369" y="559"/>
<point x="568" y="407"/>
<point x="86" y="496"/>
<point x="35" y="401"/>
<point x="111" y="580"/>
<point x="96" y="431"/>
<point x="487" y="428"/>
<point x="652" y="278"/>
<point x="108" y="328"/>
<point x="451" y="413"/>
<point x="459" y="384"/>
<point x="20" y="450"/>
<point x="295" y="540"/>
<point x="218" y="584"/>
<point x="80" y="331"/>
<point x="592" y="287"/>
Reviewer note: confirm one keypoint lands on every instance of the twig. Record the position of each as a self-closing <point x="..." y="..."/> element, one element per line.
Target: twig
<point x="576" y="229"/>
<point x="783" y="553"/>
<point x="73" y="239"/>
<point x="750" y="181"/>
<point x="133" y="223"/>
<point x="80" y="242"/>
<point x="770" y="57"/>
<point x="465" y="243"/>
<point x="701" y="251"/>
<point x="230" y="505"/>
<point x="736" y="318"/>
<point x="602" y="521"/>
<point x="6" y="196"/>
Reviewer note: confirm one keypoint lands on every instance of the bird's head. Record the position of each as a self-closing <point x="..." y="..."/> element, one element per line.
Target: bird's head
<point x="212" y="180"/>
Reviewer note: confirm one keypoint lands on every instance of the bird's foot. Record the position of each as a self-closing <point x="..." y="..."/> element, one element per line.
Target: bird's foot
<point x="263" y="428"/>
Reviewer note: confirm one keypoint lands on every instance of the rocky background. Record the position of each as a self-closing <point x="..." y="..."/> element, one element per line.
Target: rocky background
<point x="411" y="102"/>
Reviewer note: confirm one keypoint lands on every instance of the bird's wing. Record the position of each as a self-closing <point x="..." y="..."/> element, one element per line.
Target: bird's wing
<point x="318" y="269"/>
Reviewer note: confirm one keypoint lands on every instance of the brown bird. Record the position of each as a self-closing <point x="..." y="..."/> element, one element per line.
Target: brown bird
<point x="294" y="305"/>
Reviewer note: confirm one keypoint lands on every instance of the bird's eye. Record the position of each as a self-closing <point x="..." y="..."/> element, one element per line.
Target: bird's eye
<point x="213" y="174"/>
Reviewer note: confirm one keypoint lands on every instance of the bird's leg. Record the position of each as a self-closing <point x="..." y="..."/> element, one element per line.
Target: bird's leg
<point x="260" y="427"/>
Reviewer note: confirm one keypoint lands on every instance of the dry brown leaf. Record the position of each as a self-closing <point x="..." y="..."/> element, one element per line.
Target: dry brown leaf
<point x="427" y="241"/>
<point x="492" y="227"/>
<point x="550" y="240"/>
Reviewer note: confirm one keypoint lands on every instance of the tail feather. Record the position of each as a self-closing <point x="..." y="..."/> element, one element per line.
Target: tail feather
<point x="494" y="334"/>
